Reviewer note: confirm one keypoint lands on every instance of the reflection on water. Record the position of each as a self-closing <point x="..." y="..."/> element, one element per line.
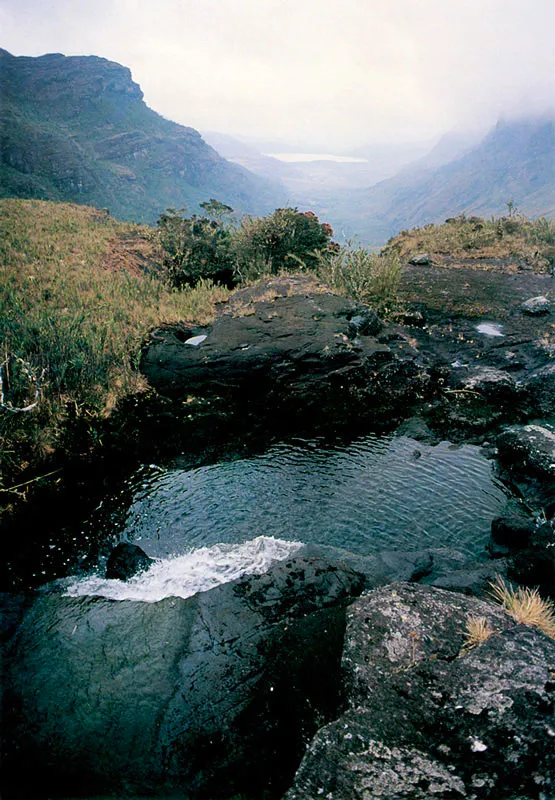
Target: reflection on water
<point x="380" y="492"/>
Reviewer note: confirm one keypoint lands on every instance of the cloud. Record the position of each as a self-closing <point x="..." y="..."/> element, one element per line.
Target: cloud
<point x="322" y="71"/>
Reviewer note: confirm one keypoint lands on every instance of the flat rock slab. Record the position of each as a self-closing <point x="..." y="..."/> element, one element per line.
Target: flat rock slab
<point x="309" y="353"/>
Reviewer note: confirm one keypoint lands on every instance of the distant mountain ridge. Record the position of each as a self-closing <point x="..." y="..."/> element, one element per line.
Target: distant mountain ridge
<point x="468" y="173"/>
<point x="515" y="163"/>
<point x="76" y="128"/>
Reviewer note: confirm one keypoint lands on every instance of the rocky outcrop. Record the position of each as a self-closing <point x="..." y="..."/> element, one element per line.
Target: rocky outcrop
<point x="207" y="697"/>
<point x="292" y="353"/>
<point x="428" y="717"/>
<point x="77" y="129"/>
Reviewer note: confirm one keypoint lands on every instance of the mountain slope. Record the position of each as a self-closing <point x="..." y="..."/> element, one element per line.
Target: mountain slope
<point x="514" y="163"/>
<point x="77" y="129"/>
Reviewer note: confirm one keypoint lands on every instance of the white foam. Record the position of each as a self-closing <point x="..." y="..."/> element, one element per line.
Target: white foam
<point x="196" y="571"/>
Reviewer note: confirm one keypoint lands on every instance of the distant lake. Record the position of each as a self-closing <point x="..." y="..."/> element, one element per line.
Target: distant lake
<point x="300" y="157"/>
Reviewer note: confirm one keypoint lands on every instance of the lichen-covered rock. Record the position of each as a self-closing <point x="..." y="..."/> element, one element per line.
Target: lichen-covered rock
<point x="421" y="260"/>
<point x="427" y="718"/>
<point x="491" y="382"/>
<point x="528" y="449"/>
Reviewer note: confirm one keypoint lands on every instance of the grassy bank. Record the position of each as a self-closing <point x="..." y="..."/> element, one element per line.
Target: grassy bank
<point x="78" y="292"/>
<point x="514" y="238"/>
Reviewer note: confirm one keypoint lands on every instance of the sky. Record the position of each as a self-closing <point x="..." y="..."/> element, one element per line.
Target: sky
<point x="323" y="74"/>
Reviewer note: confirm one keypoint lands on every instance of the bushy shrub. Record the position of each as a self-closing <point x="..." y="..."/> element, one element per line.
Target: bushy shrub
<point x="288" y="239"/>
<point x="195" y="248"/>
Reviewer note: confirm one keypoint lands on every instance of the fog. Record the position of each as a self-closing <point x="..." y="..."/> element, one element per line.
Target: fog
<point x="328" y="75"/>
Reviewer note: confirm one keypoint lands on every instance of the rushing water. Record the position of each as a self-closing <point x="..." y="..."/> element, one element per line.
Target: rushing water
<point x="215" y="522"/>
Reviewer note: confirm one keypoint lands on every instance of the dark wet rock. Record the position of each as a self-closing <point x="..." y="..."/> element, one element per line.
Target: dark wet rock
<point x="513" y="531"/>
<point x="421" y="260"/>
<point x="211" y="696"/>
<point x="12" y="608"/>
<point x="379" y="569"/>
<point x="442" y="567"/>
<point x="468" y="577"/>
<point x="300" y="359"/>
<point x="540" y="386"/>
<point x="424" y="717"/>
<point x="536" y="305"/>
<point x="365" y="323"/>
<point x="534" y="565"/>
<point x="126" y="560"/>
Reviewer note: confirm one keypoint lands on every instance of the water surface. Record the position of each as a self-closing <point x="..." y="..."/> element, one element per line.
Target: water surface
<point x="377" y="493"/>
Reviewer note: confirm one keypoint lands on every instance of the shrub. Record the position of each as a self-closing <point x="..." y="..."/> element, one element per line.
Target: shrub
<point x="195" y="248"/>
<point x="284" y="240"/>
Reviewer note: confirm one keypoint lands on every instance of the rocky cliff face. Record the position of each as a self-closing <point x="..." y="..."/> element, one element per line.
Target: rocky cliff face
<point x="77" y="129"/>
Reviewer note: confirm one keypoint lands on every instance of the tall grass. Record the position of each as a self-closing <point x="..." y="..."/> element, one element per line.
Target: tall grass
<point x="75" y="320"/>
<point x="526" y="606"/>
<point x="368" y="277"/>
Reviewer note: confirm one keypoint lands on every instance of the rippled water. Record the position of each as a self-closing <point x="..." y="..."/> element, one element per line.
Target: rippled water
<point x="380" y="492"/>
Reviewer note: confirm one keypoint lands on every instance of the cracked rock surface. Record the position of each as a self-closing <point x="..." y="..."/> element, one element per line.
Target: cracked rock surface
<point x="426" y="718"/>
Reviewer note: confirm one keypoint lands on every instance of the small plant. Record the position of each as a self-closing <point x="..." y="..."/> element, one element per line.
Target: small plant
<point x="526" y="606"/>
<point x="477" y="631"/>
<point x="368" y="277"/>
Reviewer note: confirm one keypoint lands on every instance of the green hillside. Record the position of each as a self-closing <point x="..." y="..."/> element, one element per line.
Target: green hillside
<point x="77" y="129"/>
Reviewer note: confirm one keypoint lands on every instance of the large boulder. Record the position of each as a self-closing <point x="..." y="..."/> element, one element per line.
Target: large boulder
<point x="427" y="716"/>
<point x="291" y="351"/>
<point x="206" y="697"/>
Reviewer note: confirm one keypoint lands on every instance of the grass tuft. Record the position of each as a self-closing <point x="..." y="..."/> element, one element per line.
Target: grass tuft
<point x="477" y="631"/>
<point x="525" y="606"/>
<point x="371" y="278"/>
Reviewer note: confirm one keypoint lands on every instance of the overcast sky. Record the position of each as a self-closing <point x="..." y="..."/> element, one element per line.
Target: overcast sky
<point x="325" y="73"/>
